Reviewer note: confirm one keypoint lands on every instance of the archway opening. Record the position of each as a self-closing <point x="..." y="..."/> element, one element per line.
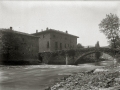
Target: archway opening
<point x="90" y="57"/>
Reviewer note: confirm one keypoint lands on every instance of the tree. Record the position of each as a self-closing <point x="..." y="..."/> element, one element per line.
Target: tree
<point x="79" y="46"/>
<point x="117" y="44"/>
<point x="97" y="54"/>
<point x="97" y="45"/>
<point x="110" y="27"/>
<point x="10" y="46"/>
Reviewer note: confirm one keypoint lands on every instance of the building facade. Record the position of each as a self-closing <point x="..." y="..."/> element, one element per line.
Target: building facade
<point x="54" y="40"/>
<point x="18" y="46"/>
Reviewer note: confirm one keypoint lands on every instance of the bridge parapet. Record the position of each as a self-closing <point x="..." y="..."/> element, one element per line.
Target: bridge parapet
<point x="59" y="57"/>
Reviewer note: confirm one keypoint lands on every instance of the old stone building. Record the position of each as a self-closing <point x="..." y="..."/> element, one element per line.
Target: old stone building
<point x="18" y="47"/>
<point x="53" y="40"/>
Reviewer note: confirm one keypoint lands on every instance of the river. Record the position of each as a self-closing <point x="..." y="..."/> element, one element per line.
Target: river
<point x="39" y="77"/>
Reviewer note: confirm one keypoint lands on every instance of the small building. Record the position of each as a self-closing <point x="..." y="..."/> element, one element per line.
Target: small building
<point x="18" y="46"/>
<point x="54" y="40"/>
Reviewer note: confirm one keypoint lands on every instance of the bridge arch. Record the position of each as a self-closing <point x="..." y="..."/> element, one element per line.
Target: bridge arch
<point x="88" y="53"/>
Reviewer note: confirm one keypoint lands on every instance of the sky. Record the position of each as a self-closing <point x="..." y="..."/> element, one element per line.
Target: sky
<point x="80" y="18"/>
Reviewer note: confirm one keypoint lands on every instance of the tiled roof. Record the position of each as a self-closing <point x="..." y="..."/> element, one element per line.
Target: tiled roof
<point x="52" y="30"/>
<point x="22" y="33"/>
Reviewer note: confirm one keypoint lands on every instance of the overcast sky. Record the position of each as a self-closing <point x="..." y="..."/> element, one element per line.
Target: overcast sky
<point x="80" y="18"/>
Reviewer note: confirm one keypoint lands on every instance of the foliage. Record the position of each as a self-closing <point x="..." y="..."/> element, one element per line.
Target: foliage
<point x="71" y="52"/>
<point x="97" y="54"/>
<point x="79" y="46"/>
<point x="10" y="45"/>
<point x="117" y="44"/>
<point x="97" y="46"/>
<point x="110" y="27"/>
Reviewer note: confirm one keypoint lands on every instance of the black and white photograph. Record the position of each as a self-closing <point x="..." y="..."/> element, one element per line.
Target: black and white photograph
<point x="60" y="45"/>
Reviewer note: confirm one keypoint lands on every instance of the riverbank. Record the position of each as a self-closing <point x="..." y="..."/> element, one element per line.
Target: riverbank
<point x="106" y="78"/>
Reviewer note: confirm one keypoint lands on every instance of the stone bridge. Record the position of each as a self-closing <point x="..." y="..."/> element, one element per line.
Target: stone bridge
<point x="80" y="56"/>
<point x="73" y="56"/>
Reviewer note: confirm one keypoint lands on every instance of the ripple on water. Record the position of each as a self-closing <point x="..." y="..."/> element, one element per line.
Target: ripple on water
<point x="2" y="77"/>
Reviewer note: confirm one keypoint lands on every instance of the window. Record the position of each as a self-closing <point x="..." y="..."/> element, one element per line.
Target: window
<point x="65" y="45"/>
<point x="48" y="44"/>
<point x="56" y="45"/>
<point x="60" y="46"/>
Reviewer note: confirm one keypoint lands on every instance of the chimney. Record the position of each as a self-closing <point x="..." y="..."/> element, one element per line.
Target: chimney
<point x="47" y="28"/>
<point x="10" y="28"/>
<point x="66" y="31"/>
<point x="36" y="31"/>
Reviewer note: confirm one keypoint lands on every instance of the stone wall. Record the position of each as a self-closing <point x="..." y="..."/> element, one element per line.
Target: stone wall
<point x="57" y="41"/>
<point x="18" y="48"/>
<point x="59" y="57"/>
<point x="67" y="42"/>
<point x="70" y="56"/>
<point x="43" y="40"/>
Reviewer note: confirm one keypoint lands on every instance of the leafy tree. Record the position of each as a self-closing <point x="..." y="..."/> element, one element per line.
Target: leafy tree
<point x="117" y="44"/>
<point x="97" y="45"/>
<point x="79" y="46"/>
<point x="10" y="46"/>
<point x="110" y="27"/>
